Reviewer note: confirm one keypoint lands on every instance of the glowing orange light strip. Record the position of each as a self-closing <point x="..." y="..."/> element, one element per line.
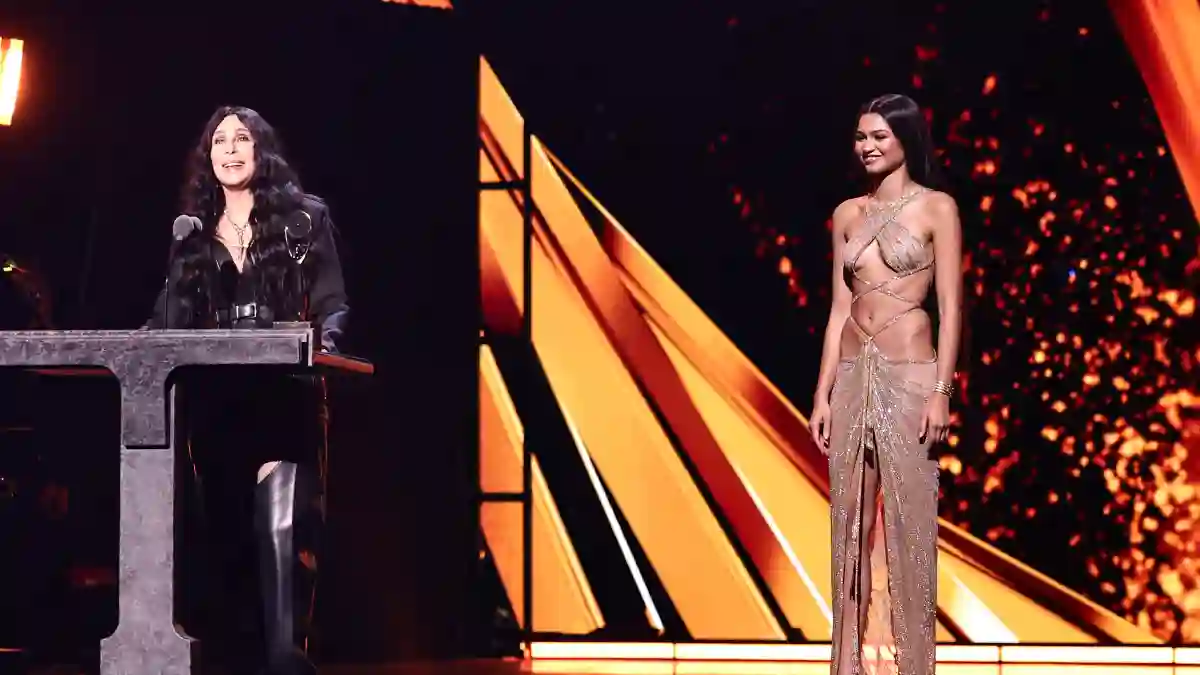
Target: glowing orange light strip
<point x="436" y="4"/>
<point x="562" y="598"/>
<point x="712" y="590"/>
<point x="501" y="271"/>
<point x="1164" y="39"/>
<point x="11" y="55"/>
<point x="578" y="667"/>
<point x="1187" y="656"/>
<point x="601" y="288"/>
<point x="652" y="487"/>
<point x="797" y="572"/>
<point x="819" y="652"/>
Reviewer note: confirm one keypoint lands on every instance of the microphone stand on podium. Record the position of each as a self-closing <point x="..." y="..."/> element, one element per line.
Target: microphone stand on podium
<point x="146" y="639"/>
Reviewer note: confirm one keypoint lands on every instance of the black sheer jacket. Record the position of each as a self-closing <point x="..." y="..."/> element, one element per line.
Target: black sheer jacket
<point x="204" y="289"/>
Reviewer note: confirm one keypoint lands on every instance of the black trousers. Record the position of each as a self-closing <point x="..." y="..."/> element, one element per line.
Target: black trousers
<point x="231" y="423"/>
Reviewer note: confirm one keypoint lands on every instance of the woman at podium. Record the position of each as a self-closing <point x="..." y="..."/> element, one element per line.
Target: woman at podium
<point x="255" y="250"/>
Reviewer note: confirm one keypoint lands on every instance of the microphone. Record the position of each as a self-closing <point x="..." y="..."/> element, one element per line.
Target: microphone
<point x="183" y="227"/>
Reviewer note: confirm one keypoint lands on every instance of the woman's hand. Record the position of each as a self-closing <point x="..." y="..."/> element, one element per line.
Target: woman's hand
<point x="818" y="425"/>
<point x="935" y="423"/>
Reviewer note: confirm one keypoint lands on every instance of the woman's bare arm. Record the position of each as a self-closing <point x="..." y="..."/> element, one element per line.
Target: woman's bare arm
<point x="948" y="281"/>
<point x="839" y="309"/>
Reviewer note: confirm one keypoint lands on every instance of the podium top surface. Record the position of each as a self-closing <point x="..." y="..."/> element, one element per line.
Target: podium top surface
<point x="142" y="360"/>
<point x="289" y="329"/>
<point x="110" y="348"/>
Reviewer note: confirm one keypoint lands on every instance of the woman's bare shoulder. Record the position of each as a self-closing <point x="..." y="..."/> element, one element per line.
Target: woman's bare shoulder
<point x="937" y="210"/>
<point x="938" y="203"/>
<point x="851" y="205"/>
<point x="849" y="209"/>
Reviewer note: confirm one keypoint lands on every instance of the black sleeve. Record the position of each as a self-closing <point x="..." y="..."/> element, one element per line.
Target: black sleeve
<point x="327" y="300"/>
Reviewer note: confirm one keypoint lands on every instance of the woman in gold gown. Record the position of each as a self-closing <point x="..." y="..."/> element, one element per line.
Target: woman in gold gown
<point x="883" y="394"/>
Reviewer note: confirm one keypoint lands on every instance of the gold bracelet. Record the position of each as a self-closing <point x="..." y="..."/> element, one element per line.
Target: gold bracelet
<point x="944" y="388"/>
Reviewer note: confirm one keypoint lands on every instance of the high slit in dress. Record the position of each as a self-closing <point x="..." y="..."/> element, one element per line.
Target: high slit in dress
<point x="884" y="581"/>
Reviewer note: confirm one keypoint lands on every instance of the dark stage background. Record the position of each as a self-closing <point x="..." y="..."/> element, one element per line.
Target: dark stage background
<point x="376" y="105"/>
<point x="720" y="134"/>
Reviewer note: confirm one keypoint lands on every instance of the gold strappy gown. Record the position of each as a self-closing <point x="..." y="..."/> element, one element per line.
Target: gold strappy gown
<point x="884" y="581"/>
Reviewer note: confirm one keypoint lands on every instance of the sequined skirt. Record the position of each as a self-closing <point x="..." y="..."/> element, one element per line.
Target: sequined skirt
<point x="884" y="623"/>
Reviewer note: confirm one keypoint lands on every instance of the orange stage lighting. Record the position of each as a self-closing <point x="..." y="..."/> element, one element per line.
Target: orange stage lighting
<point x="649" y="385"/>
<point x="1164" y="40"/>
<point x="564" y="602"/>
<point x="746" y="653"/>
<point x="436" y="4"/>
<point x="644" y="379"/>
<point x="10" y="77"/>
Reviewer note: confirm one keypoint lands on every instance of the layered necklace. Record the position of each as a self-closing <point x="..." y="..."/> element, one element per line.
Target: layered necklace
<point x="875" y="206"/>
<point x="242" y="231"/>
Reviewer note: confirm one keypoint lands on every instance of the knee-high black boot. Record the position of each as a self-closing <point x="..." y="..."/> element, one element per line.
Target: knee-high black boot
<point x="288" y="515"/>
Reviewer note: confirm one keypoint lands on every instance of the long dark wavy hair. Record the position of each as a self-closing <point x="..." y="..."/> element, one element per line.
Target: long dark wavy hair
<point x="910" y="127"/>
<point x="277" y="196"/>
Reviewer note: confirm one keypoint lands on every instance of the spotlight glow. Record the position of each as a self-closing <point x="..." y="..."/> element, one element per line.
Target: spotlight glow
<point x="11" y="52"/>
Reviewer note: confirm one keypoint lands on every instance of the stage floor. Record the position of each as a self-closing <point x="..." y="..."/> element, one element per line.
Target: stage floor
<point x="633" y="667"/>
<point x="574" y="667"/>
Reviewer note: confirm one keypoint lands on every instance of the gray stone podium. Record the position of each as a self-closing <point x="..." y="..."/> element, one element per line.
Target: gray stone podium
<point x="146" y="639"/>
